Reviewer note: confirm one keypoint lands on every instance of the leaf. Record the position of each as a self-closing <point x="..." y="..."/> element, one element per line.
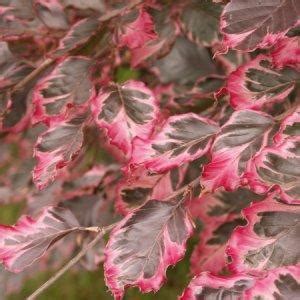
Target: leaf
<point x="126" y="111"/>
<point x="28" y="240"/>
<point x="282" y="283"/>
<point x="278" y="165"/>
<point x="77" y="36"/>
<point x="201" y="21"/>
<point x="268" y="240"/>
<point x="257" y="83"/>
<point x="51" y="13"/>
<point x="241" y="137"/>
<point x="220" y="215"/>
<point x="208" y="286"/>
<point x="56" y="148"/>
<point x="16" y="17"/>
<point x="135" y="29"/>
<point x="286" y="53"/>
<point x="181" y="139"/>
<point x="142" y="185"/>
<point x="289" y="127"/>
<point x="166" y="30"/>
<point x="144" y="244"/>
<point x="90" y="210"/>
<point x="12" y="70"/>
<point x="186" y="63"/>
<point x="96" y="5"/>
<point x="247" y="25"/>
<point x="68" y="85"/>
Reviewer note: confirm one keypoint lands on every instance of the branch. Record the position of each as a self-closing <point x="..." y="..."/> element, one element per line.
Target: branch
<point x="33" y="74"/>
<point x="72" y="262"/>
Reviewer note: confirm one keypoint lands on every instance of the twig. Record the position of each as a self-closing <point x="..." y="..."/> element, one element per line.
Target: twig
<point x="33" y="74"/>
<point x="72" y="262"/>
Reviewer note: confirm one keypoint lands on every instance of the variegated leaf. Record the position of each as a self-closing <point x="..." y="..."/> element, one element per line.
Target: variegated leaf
<point x="144" y="244"/>
<point x="68" y="85"/>
<point x="268" y="240"/>
<point x="56" y="148"/>
<point x="281" y="283"/>
<point x="201" y="21"/>
<point x="250" y="24"/>
<point x="257" y="83"/>
<point x="135" y="29"/>
<point x="220" y="215"/>
<point x="28" y="240"/>
<point x="126" y="111"/>
<point x="240" y="139"/>
<point x="181" y="139"/>
<point x="208" y="286"/>
<point x="278" y="165"/>
<point x="77" y="36"/>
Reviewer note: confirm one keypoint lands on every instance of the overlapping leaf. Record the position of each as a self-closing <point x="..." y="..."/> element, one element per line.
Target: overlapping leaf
<point x="28" y="240"/>
<point x="68" y="85"/>
<point x="286" y="53"/>
<point x="278" y="165"/>
<point x="136" y="28"/>
<point x="51" y="13"/>
<point x="201" y="21"/>
<point x="220" y="215"/>
<point x="166" y="30"/>
<point x="144" y="244"/>
<point x="282" y="283"/>
<point x="249" y="24"/>
<point x="126" y="111"/>
<point x="186" y="63"/>
<point x="257" y="83"/>
<point x="268" y="240"/>
<point x="240" y="139"/>
<point x="181" y="139"/>
<point x="145" y="186"/>
<point x="78" y="34"/>
<point x="56" y="148"/>
<point x="208" y="286"/>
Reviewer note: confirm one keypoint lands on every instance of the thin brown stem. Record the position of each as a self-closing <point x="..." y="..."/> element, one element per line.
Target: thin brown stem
<point x="33" y="74"/>
<point x="72" y="262"/>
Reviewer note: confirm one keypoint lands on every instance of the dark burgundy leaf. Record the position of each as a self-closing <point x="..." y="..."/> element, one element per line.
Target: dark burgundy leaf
<point x="78" y="34"/>
<point x="201" y="21"/>
<point x="185" y="63"/>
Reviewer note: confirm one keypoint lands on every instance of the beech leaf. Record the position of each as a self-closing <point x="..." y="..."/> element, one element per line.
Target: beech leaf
<point x="182" y="138"/>
<point x="145" y="243"/>
<point x="249" y="24"/>
<point x="241" y="137"/>
<point x="28" y="240"/>
<point x="126" y="111"/>
<point x="268" y="240"/>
